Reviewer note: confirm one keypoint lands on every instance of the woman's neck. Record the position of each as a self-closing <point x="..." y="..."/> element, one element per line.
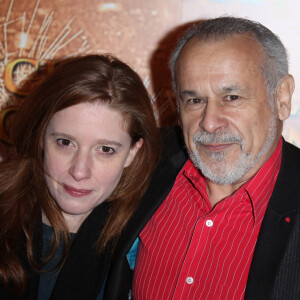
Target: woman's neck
<point x="73" y="221"/>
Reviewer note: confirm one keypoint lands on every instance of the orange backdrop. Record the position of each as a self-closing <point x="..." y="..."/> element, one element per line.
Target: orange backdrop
<point x="142" y="33"/>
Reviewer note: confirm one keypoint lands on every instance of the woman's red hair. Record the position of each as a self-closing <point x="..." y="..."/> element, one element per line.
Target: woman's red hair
<point x="23" y="191"/>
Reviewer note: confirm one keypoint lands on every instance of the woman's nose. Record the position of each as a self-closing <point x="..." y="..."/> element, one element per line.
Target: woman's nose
<point x="80" y="166"/>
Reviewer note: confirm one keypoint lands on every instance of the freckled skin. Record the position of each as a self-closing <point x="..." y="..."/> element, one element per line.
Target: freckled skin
<point x="225" y="75"/>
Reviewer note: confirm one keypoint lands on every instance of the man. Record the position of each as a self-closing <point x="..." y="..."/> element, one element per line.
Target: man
<point x="223" y="223"/>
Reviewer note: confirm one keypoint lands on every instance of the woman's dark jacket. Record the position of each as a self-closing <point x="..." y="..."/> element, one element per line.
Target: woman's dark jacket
<point x="84" y="271"/>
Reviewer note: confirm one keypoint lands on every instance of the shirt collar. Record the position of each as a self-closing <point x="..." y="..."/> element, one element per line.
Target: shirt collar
<point x="261" y="185"/>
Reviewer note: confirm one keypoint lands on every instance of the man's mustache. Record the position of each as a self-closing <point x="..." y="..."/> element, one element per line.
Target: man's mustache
<point x="203" y="137"/>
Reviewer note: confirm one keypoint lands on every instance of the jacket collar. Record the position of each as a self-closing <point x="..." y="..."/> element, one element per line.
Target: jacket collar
<point x="172" y="160"/>
<point x="278" y="223"/>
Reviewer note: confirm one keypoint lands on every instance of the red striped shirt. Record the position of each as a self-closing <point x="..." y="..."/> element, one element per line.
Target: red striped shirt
<point x="189" y="250"/>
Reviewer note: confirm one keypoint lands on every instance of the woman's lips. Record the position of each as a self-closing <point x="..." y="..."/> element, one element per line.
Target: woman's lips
<point x="76" y="192"/>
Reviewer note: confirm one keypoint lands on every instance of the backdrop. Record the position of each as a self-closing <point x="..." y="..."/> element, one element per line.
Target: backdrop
<point x="140" y="32"/>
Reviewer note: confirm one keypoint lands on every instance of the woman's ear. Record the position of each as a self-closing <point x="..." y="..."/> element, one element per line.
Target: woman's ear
<point x="283" y="97"/>
<point x="133" y="151"/>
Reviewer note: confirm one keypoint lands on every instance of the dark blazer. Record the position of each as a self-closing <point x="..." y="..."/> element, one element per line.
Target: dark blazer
<point x="275" y="268"/>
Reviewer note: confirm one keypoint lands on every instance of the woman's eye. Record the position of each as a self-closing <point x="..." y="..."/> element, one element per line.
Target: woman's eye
<point x="107" y="150"/>
<point x="64" y="142"/>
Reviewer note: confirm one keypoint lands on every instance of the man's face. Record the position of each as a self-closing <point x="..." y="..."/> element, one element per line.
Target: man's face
<point x="229" y="127"/>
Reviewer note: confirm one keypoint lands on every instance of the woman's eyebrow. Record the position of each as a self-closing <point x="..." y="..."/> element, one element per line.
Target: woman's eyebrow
<point x="99" y="141"/>
<point x="109" y="142"/>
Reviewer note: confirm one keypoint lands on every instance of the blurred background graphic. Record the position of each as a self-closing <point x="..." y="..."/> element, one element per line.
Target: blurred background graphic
<point x="36" y="33"/>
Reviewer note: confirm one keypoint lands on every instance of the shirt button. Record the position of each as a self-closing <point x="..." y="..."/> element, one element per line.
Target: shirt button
<point x="189" y="280"/>
<point x="209" y="223"/>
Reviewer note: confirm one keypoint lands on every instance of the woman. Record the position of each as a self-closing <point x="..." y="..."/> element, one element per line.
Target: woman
<point x="85" y="143"/>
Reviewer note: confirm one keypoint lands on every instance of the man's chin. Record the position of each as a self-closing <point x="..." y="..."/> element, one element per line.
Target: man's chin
<point x="219" y="171"/>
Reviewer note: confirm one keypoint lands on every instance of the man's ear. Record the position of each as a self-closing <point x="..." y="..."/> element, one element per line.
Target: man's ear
<point x="283" y="97"/>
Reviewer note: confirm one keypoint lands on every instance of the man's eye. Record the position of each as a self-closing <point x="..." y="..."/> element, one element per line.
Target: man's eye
<point x="107" y="150"/>
<point x="64" y="142"/>
<point x="232" y="97"/>
<point x="194" y="101"/>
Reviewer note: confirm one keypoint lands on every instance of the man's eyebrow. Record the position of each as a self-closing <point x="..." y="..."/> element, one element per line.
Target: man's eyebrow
<point x="220" y="90"/>
<point x="230" y="89"/>
<point x="186" y="93"/>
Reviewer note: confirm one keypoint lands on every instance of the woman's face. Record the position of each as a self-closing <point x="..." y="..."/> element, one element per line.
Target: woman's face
<point x="86" y="147"/>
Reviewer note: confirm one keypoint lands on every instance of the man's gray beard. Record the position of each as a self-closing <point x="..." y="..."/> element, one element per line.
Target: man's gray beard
<point x="217" y="169"/>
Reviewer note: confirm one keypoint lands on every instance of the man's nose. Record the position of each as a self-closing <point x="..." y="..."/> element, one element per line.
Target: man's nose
<point x="80" y="166"/>
<point x="213" y="117"/>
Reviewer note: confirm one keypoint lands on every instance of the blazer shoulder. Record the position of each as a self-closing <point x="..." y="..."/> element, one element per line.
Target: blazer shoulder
<point x="172" y="140"/>
<point x="291" y="151"/>
<point x="286" y="194"/>
<point x="290" y="165"/>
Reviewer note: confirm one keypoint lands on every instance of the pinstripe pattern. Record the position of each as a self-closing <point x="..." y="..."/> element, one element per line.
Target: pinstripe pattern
<point x="190" y="250"/>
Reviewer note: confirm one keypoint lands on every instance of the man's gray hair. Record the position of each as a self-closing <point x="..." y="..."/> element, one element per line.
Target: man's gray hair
<point x="274" y="63"/>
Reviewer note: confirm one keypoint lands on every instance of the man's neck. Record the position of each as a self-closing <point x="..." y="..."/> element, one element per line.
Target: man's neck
<point x="217" y="192"/>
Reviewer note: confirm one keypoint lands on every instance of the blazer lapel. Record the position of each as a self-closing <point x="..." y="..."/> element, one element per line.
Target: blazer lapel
<point x="162" y="183"/>
<point x="163" y="178"/>
<point x="160" y="186"/>
<point x="275" y="231"/>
